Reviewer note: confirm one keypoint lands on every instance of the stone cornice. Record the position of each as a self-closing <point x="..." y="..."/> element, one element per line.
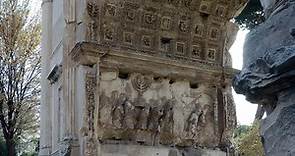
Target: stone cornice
<point x="87" y="53"/>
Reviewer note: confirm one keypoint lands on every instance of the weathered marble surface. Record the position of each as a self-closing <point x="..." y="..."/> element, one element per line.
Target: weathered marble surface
<point x="157" y="111"/>
<point x="145" y="74"/>
<point x="136" y="150"/>
<point x="268" y="75"/>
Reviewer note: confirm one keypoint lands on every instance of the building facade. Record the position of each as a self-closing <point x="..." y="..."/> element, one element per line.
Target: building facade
<point x="137" y="77"/>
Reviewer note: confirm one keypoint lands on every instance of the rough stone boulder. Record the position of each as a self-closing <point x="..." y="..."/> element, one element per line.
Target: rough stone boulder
<point x="268" y="75"/>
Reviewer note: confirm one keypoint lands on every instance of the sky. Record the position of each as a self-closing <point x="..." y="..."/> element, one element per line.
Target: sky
<point x="245" y="110"/>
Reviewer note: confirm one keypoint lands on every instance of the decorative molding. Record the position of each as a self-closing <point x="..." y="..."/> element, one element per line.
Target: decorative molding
<point x="92" y="9"/>
<point x="89" y="116"/>
<point x="87" y="53"/>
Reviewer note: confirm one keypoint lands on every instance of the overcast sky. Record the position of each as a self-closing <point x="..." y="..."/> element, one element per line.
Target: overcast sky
<point x="245" y="110"/>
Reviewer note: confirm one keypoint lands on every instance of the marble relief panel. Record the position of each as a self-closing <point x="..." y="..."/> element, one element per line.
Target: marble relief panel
<point x="152" y="110"/>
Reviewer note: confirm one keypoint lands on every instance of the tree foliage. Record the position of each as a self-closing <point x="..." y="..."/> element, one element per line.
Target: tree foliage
<point x="248" y="141"/>
<point x="19" y="72"/>
<point x="251" y="16"/>
<point x="3" y="150"/>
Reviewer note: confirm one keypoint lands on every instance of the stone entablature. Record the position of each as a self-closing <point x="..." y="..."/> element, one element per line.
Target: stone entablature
<point x="87" y="53"/>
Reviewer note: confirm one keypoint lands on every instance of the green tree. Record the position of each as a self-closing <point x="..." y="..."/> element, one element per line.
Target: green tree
<point x="19" y="73"/>
<point x="251" y="16"/>
<point x="248" y="141"/>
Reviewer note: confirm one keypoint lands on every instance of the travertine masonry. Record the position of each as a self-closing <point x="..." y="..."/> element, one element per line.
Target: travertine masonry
<point x="138" y="77"/>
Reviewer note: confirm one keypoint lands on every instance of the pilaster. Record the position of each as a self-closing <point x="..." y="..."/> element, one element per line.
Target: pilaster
<point x="45" y="109"/>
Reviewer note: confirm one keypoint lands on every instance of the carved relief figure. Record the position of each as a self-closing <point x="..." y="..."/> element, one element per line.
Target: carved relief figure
<point x="205" y="113"/>
<point x="129" y="115"/>
<point x="192" y="123"/>
<point x="156" y="114"/>
<point x="106" y="107"/>
<point x="198" y="116"/>
<point x="167" y="122"/>
<point x="118" y="111"/>
<point x="142" y="120"/>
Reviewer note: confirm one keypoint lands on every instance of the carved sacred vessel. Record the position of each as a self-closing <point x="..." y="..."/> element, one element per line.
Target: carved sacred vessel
<point x="149" y="76"/>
